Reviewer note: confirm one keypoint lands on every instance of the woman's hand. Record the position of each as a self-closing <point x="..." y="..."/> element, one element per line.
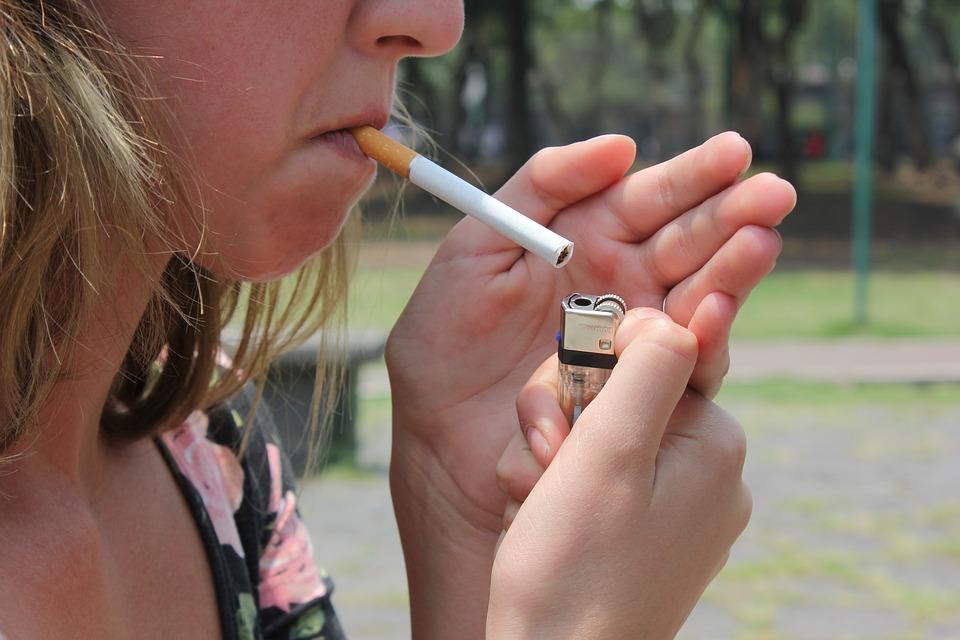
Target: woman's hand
<point x="636" y="512"/>
<point x="544" y="427"/>
<point x="484" y="316"/>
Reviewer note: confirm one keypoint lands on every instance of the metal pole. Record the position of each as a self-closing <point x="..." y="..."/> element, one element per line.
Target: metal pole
<point x="863" y="185"/>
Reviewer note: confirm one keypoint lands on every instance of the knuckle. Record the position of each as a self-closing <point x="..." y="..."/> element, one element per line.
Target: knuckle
<point x="645" y="314"/>
<point x="728" y="448"/>
<point x="725" y="365"/>
<point x="687" y="341"/>
<point x="685" y="242"/>
<point x="657" y="328"/>
<point x="666" y="194"/>
<point x="675" y="337"/>
<point x="724" y="558"/>
<point x="543" y="154"/>
<point x="510" y="513"/>
<point x="744" y="508"/>
<point x="515" y="475"/>
<point x="504" y="474"/>
<point x="660" y="328"/>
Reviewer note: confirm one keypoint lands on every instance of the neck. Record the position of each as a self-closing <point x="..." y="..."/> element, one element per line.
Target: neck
<point x="67" y="440"/>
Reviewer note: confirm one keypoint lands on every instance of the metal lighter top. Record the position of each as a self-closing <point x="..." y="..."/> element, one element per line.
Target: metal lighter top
<point x="588" y="328"/>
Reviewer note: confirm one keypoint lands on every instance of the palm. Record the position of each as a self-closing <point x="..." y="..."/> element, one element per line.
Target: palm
<point x="484" y="315"/>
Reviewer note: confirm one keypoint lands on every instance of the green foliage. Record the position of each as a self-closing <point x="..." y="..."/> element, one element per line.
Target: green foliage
<point x="818" y="304"/>
<point x="671" y="72"/>
<point x="787" y="304"/>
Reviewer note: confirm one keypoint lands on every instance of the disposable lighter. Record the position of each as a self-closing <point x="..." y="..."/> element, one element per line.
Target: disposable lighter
<point x="588" y="328"/>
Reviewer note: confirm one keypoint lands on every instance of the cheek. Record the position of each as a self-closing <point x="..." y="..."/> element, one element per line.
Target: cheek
<point x="288" y="217"/>
<point x="271" y="201"/>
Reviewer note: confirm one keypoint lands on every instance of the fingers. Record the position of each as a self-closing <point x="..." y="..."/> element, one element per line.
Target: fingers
<point x="557" y="177"/>
<point x="513" y="508"/>
<point x="541" y="419"/>
<point x="543" y="428"/>
<point x="686" y="244"/>
<point x="649" y="199"/>
<point x="656" y="357"/>
<point x="710" y="448"/>
<point x="518" y="469"/>
<point x="552" y="180"/>
<point x="734" y="270"/>
<point x="711" y="323"/>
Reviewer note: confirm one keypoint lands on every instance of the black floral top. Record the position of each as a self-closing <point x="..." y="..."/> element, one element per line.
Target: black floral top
<point x="266" y="582"/>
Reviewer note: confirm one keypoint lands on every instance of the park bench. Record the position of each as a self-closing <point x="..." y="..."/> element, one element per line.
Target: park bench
<point x="289" y="391"/>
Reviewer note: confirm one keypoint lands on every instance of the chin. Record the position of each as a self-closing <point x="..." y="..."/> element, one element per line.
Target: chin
<point x="287" y="226"/>
<point x="288" y="249"/>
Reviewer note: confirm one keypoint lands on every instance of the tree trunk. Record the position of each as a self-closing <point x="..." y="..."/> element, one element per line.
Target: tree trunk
<point x="749" y="68"/>
<point x="933" y="23"/>
<point x="691" y="62"/>
<point x="904" y="81"/>
<point x="787" y="155"/>
<point x="792" y="15"/>
<point x="599" y="63"/>
<point x="520" y="138"/>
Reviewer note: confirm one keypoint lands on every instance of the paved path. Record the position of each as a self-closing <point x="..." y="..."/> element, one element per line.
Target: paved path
<point x="856" y="526"/>
<point x="848" y="361"/>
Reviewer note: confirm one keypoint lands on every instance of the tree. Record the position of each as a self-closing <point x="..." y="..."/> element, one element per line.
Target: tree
<point x="694" y="71"/>
<point x="788" y="17"/>
<point x="520" y="136"/>
<point x="761" y="56"/>
<point x="902" y="92"/>
<point x="936" y="14"/>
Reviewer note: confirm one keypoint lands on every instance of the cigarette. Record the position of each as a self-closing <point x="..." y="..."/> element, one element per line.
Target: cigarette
<point x="462" y="195"/>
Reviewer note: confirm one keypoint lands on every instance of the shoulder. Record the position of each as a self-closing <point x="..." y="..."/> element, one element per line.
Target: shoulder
<point x="233" y="457"/>
<point x="234" y="461"/>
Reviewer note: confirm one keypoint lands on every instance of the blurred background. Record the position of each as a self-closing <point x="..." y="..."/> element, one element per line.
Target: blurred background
<point x="846" y="360"/>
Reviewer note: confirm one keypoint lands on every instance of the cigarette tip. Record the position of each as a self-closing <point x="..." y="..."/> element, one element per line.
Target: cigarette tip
<point x="564" y="257"/>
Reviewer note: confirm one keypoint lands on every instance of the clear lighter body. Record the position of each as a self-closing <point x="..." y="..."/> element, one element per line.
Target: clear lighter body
<point x="578" y="387"/>
<point x="587" y="332"/>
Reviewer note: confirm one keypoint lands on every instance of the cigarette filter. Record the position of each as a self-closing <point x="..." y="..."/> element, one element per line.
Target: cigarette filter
<point x="588" y="328"/>
<point x="433" y="178"/>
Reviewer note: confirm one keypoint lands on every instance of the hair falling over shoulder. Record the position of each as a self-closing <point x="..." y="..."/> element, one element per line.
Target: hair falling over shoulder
<point x="84" y="186"/>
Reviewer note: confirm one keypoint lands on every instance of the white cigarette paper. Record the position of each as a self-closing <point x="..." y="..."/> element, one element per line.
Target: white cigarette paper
<point x="462" y="195"/>
<point x="506" y="221"/>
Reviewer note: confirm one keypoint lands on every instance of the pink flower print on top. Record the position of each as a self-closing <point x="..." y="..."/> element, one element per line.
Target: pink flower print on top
<point x="213" y="470"/>
<point x="288" y="574"/>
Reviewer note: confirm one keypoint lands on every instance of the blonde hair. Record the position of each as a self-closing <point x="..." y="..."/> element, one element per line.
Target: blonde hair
<point x="83" y="183"/>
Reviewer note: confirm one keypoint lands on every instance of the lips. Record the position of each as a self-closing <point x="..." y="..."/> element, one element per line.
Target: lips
<point x="375" y="117"/>
<point x="342" y="142"/>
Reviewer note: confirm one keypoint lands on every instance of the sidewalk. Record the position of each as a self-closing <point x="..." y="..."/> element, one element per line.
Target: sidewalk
<point x="847" y="361"/>
<point x="842" y="361"/>
<point x="855" y="520"/>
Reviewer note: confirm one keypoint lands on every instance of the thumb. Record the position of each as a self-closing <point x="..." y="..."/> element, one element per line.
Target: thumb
<point x="551" y="181"/>
<point x="656" y="357"/>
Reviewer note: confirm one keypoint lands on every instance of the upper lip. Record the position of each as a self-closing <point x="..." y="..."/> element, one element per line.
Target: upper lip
<point x="375" y="117"/>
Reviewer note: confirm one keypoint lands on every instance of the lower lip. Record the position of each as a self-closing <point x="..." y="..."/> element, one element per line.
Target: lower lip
<point x="342" y="142"/>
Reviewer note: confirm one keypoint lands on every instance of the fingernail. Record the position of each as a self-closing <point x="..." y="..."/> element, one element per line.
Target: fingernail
<point x="746" y="167"/>
<point x="538" y="444"/>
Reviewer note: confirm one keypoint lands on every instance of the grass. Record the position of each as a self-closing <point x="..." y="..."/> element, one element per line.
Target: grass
<point x="378" y="295"/>
<point x="794" y="304"/>
<point x="819" y="304"/>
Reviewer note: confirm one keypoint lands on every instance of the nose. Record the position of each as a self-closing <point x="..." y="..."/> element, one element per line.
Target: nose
<point x="401" y="28"/>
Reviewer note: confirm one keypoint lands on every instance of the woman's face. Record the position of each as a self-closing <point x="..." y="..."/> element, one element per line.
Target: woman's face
<point x="260" y="92"/>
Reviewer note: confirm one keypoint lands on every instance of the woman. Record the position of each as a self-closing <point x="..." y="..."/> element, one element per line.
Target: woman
<point x="156" y="155"/>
